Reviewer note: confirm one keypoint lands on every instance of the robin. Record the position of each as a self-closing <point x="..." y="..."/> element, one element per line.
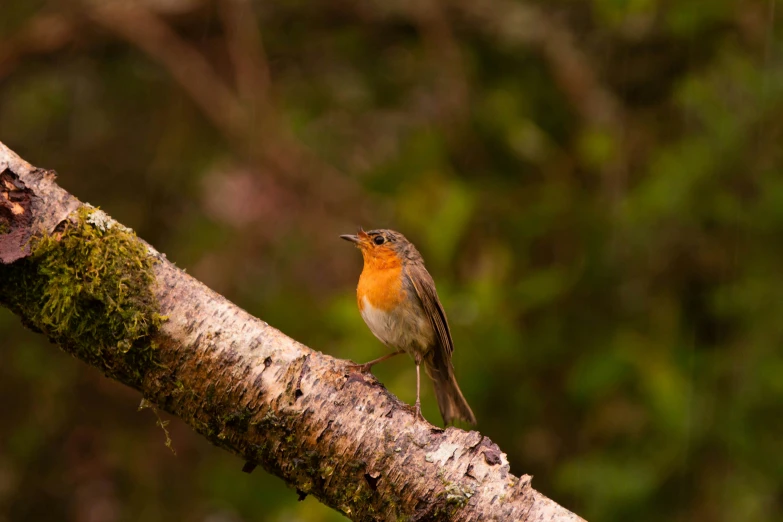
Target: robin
<point x="398" y="301"/>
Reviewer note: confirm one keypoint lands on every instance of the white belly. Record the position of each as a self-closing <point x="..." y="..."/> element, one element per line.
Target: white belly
<point x="408" y="330"/>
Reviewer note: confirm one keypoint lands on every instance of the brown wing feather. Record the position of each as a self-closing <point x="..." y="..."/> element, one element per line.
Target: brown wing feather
<point x="425" y="288"/>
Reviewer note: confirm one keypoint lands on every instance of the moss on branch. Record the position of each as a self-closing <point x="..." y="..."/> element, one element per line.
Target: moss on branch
<point x="88" y="287"/>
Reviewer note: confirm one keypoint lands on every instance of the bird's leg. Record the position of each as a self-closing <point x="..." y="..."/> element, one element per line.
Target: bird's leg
<point x="364" y="368"/>
<point x="418" y="391"/>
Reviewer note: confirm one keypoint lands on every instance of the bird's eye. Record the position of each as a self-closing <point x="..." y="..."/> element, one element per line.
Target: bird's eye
<point x="378" y="240"/>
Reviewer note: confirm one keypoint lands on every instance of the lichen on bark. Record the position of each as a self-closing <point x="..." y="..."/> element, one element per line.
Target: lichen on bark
<point x="88" y="287"/>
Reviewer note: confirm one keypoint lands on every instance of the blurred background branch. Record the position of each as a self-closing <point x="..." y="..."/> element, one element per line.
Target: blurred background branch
<point x="245" y="116"/>
<point x="146" y="30"/>
<point x="44" y="33"/>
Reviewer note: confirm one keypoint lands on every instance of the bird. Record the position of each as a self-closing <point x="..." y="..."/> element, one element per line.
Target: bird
<point x="398" y="301"/>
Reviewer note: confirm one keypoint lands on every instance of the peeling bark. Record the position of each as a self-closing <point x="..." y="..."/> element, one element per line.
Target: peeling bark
<point x="296" y="412"/>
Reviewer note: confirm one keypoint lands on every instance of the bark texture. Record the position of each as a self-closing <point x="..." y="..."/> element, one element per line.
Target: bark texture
<point x="250" y="389"/>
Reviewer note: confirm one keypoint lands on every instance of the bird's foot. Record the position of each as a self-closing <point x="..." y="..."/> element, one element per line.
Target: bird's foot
<point x="417" y="405"/>
<point x="360" y="368"/>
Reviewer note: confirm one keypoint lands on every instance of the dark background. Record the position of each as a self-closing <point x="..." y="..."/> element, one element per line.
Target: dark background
<point x="595" y="185"/>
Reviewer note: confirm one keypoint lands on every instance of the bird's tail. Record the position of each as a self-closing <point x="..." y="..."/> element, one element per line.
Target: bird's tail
<point x="451" y="402"/>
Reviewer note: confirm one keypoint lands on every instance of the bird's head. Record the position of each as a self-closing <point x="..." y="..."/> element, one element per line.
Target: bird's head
<point x="382" y="246"/>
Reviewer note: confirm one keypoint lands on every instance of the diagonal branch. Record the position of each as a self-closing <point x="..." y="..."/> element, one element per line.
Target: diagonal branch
<point x="100" y="293"/>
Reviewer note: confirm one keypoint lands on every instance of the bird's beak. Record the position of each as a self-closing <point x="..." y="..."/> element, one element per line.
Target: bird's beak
<point x="360" y="239"/>
<point x="350" y="237"/>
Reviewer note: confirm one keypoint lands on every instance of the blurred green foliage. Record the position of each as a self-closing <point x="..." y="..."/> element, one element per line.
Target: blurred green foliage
<point x="596" y="187"/>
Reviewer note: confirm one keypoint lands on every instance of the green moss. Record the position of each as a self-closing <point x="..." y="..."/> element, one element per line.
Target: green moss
<point x="240" y="420"/>
<point x="4" y="227"/>
<point x="455" y="496"/>
<point x="88" y="287"/>
<point x="210" y="393"/>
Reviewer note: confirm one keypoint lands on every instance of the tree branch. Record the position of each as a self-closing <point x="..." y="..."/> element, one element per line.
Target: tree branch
<point x="91" y="286"/>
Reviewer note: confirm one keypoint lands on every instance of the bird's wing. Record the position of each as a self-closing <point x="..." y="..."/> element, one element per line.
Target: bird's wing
<point x="422" y="282"/>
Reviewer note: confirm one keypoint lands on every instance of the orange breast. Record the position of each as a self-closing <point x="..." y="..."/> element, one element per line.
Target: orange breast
<point x="381" y="282"/>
